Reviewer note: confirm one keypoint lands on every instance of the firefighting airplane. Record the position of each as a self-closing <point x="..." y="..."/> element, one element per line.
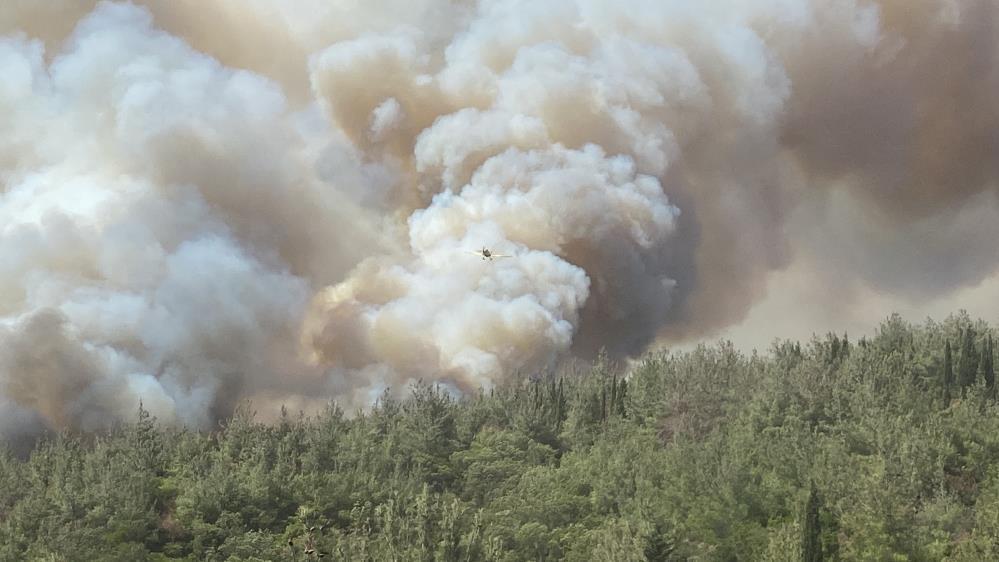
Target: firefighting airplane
<point x="488" y="254"/>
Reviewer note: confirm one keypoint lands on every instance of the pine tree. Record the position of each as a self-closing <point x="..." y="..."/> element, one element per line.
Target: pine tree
<point x="948" y="374"/>
<point x="811" y="545"/>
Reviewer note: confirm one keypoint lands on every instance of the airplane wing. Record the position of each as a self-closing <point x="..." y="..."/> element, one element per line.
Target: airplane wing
<point x="502" y="256"/>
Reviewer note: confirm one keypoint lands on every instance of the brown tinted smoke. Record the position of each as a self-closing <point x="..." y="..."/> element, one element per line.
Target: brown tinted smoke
<point x="207" y="201"/>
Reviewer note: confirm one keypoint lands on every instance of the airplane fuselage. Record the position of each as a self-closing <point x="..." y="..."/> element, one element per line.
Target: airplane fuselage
<point x="488" y="254"/>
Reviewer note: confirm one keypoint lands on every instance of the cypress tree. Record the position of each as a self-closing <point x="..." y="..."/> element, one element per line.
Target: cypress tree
<point x="560" y="405"/>
<point x="613" y="396"/>
<point x="948" y="374"/>
<point x="621" y="393"/>
<point x="967" y="366"/>
<point x="988" y="367"/>
<point x="811" y="541"/>
<point x="603" y="403"/>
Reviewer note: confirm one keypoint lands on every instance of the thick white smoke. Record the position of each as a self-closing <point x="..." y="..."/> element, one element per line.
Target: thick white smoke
<point x="162" y="228"/>
<point x="203" y="201"/>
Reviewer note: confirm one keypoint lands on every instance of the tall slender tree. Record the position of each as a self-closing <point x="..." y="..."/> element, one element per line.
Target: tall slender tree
<point x="988" y="367"/>
<point x="811" y="540"/>
<point x="967" y="366"/>
<point x="622" y="392"/>
<point x="603" y="403"/>
<point x="948" y="374"/>
<point x="613" y="396"/>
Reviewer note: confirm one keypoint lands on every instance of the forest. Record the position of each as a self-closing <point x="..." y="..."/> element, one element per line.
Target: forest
<point x="879" y="448"/>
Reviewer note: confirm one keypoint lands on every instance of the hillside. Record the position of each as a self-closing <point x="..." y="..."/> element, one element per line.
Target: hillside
<point x="882" y="448"/>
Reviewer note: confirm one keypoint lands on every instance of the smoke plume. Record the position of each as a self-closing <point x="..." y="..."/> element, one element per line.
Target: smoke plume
<point x="206" y="201"/>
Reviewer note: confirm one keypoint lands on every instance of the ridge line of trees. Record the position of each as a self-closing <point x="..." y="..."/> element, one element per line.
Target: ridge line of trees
<point x="882" y="448"/>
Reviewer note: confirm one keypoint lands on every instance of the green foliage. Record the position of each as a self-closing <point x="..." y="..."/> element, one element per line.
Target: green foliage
<point x="967" y="366"/>
<point x="948" y="375"/>
<point x="988" y="367"/>
<point x="710" y="454"/>
<point x="811" y="542"/>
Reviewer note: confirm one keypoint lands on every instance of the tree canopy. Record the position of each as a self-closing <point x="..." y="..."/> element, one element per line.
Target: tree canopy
<point x="829" y="449"/>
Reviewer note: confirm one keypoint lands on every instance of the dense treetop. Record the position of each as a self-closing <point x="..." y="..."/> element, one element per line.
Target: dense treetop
<point x="884" y="448"/>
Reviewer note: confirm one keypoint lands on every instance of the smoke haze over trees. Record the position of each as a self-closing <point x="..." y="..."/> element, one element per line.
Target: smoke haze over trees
<point x="836" y="448"/>
<point x="206" y="201"/>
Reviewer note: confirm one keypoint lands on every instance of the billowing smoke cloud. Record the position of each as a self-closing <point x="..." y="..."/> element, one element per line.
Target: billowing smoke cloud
<point x="206" y="201"/>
